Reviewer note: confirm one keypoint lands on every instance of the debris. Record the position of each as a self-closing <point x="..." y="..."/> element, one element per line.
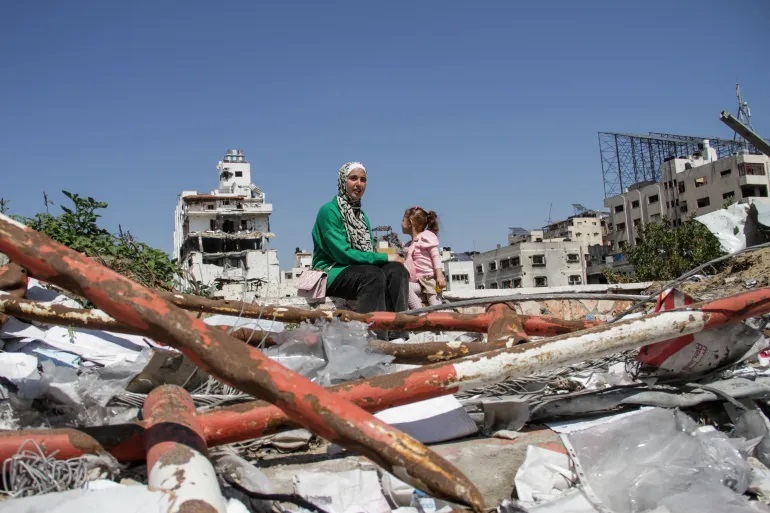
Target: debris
<point x="343" y="492"/>
<point x="544" y="476"/>
<point x="660" y="457"/>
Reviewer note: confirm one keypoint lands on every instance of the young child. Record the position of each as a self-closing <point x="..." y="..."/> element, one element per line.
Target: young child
<point x="422" y="259"/>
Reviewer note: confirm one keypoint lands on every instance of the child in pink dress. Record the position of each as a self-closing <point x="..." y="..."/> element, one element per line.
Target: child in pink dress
<point x="422" y="259"/>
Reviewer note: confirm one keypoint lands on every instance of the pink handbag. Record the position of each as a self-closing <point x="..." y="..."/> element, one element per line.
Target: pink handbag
<point x="312" y="284"/>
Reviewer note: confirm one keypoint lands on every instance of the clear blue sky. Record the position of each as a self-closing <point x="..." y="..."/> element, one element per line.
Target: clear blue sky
<point x="486" y="111"/>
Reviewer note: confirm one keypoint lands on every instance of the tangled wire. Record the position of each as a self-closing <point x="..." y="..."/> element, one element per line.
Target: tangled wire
<point x="30" y="472"/>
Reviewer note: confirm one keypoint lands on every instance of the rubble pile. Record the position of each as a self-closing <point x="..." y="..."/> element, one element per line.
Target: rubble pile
<point x="745" y="271"/>
<point x="665" y="412"/>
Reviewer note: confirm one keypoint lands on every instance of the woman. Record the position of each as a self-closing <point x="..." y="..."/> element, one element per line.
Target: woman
<point x="343" y="246"/>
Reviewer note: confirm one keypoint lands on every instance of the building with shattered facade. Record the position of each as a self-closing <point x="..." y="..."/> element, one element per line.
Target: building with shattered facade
<point x="221" y="238"/>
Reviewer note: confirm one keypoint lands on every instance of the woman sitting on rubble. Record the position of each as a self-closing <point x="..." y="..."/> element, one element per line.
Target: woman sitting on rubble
<point x="426" y="272"/>
<point x="343" y="247"/>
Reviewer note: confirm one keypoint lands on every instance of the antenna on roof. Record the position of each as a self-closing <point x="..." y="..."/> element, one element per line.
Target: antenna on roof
<point x="549" y="220"/>
<point x="744" y="114"/>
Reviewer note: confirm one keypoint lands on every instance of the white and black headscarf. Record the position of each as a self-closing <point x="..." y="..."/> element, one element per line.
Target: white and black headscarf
<point x="355" y="226"/>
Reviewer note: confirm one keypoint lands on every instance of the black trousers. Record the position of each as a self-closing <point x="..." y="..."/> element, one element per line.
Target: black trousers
<point x="376" y="288"/>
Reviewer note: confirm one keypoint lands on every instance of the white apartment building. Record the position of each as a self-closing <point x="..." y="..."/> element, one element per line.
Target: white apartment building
<point x="531" y="261"/>
<point x="458" y="271"/>
<point x="220" y="238"/>
<point x="689" y="187"/>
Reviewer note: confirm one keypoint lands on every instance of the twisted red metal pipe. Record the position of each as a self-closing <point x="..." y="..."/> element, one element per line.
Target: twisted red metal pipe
<point x="237" y="364"/>
<point x="250" y="420"/>
<point x="439" y="321"/>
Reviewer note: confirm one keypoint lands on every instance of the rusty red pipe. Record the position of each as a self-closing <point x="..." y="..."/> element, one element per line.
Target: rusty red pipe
<point x="439" y="321"/>
<point x="237" y="364"/>
<point x="51" y="313"/>
<point x="14" y="281"/>
<point x="177" y="456"/>
<point x="250" y="420"/>
<point x="505" y="325"/>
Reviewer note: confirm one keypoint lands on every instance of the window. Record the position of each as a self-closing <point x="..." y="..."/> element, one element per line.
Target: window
<point x="618" y="208"/>
<point x="517" y="283"/>
<point x="493" y="285"/>
<point x="239" y="173"/>
<point x="210" y="206"/>
<point x="493" y="266"/>
<point x="635" y="204"/>
<point x="683" y="207"/>
<point x="652" y="199"/>
<point x="726" y="172"/>
<point x="538" y="260"/>
<point x="506" y="284"/>
<point x="700" y="182"/>
<point x="730" y="196"/>
<point x="480" y="287"/>
<point x="505" y="263"/>
<point x="637" y="222"/>
<point x="621" y="227"/>
<point x="287" y="276"/>
<point x="668" y="205"/>
<point x="212" y="224"/>
<point x="244" y="225"/>
<point x="681" y="187"/>
<point x="704" y="202"/>
<point x="573" y="258"/>
<point x="226" y="202"/>
<point x="655" y="218"/>
<point x="460" y="277"/>
<point x="751" y="169"/>
<point x="479" y="269"/>
<point x="541" y="281"/>
<point x="515" y="261"/>
<point x="575" y="279"/>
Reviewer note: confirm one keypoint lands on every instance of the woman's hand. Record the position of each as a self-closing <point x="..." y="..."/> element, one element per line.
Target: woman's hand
<point x="392" y="257"/>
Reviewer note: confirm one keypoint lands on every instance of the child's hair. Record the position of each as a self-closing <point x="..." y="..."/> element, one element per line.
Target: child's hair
<point x="422" y="219"/>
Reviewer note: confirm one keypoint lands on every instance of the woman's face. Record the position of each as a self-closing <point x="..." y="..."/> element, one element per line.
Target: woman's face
<point x="355" y="185"/>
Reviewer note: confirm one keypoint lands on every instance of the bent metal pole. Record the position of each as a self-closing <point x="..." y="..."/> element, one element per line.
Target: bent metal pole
<point x="177" y="456"/>
<point x="251" y="420"/>
<point x="438" y="321"/>
<point x="237" y="364"/>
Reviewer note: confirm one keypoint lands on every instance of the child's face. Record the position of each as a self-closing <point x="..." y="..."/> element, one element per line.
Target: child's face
<point x="406" y="226"/>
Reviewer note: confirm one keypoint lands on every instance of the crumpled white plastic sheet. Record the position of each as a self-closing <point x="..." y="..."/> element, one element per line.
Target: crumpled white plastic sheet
<point x="354" y="491"/>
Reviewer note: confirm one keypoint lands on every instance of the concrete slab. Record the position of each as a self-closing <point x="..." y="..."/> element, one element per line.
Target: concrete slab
<point x="491" y="463"/>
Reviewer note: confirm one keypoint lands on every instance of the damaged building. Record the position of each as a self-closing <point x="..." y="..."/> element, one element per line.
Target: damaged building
<point x="221" y="238"/>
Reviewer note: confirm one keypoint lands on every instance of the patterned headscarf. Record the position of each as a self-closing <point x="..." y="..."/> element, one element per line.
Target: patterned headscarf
<point x="355" y="226"/>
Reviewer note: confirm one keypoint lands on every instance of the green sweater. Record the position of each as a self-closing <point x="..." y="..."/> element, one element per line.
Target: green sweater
<point x="331" y="246"/>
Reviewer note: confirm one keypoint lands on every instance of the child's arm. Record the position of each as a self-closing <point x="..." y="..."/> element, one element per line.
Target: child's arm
<point x="438" y="267"/>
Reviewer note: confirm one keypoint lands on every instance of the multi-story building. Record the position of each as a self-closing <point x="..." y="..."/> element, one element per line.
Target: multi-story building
<point x="531" y="261"/>
<point x="220" y="238"/>
<point x="586" y="228"/>
<point x="689" y="187"/>
<point x="458" y="271"/>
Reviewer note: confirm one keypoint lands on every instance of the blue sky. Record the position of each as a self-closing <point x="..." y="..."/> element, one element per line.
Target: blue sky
<point x="487" y="111"/>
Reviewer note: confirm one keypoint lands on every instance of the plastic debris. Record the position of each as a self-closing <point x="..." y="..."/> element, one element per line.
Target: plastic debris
<point x="659" y="457"/>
